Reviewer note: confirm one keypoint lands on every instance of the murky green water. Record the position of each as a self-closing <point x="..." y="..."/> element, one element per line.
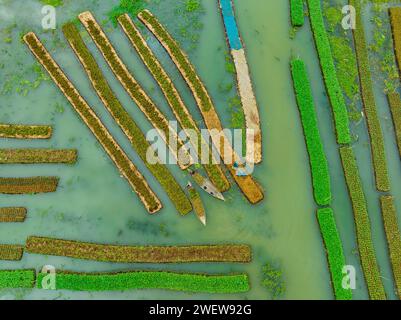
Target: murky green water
<point x="94" y="204"/>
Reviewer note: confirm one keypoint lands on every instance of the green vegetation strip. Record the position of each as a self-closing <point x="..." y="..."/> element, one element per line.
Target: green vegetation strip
<point x="140" y="254"/>
<point x="174" y="99"/>
<point x="329" y="72"/>
<point x="317" y="158"/>
<point x="395" y="107"/>
<point x="17" y="279"/>
<point x="28" y="185"/>
<point x="28" y="156"/>
<point x="127" y="124"/>
<point x="395" y="19"/>
<point x="362" y="222"/>
<point x="136" y="92"/>
<point x="250" y="188"/>
<point x="25" y="131"/>
<point x="297" y="13"/>
<point x="235" y="283"/>
<point x="372" y="118"/>
<point x="335" y="252"/>
<point x="13" y="214"/>
<point x="393" y="237"/>
<point x="89" y="117"/>
<point x="11" y="252"/>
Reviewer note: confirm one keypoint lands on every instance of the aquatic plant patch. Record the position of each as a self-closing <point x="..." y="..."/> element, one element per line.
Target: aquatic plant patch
<point x="29" y="185"/>
<point x="138" y="254"/>
<point x="17" y="279"/>
<point x="174" y="99"/>
<point x="250" y="188"/>
<point x="362" y="223"/>
<point x="136" y="92"/>
<point x="13" y="214"/>
<point x="25" y="131"/>
<point x="317" y="157"/>
<point x="125" y="121"/>
<point x="297" y="13"/>
<point x="329" y="72"/>
<point x="368" y="98"/>
<point x="30" y="156"/>
<point x="389" y="215"/>
<point x="89" y="117"/>
<point x="11" y="252"/>
<point x="188" y="282"/>
<point x="335" y="254"/>
<point x="395" y="107"/>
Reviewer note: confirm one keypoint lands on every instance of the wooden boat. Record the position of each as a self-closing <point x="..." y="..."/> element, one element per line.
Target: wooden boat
<point x="206" y="185"/>
<point x="197" y="204"/>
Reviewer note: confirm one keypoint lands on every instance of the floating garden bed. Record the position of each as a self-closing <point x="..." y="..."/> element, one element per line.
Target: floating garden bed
<point x="174" y="99"/>
<point x="335" y="252"/>
<point x="11" y="252"/>
<point x="13" y="214"/>
<point x="206" y="283"/>
<point x="30" y="156"/>
<point x="395" y="107"/>
<point x="393" y="237"/>
<point x="17" y="279"/>
<point x="136" y="92"/>
<point x="126" y="123"/>
<point x="247" y="184"/>
<point x="362" y="223"/>
<point x="138" y="254"/>
<point x="395" y="19"/>
<point x="89" y="117"/>
<point x="25" y="131"/>
<point x="30" y="185"/>
<point x="317" y="158"/>
<point x="329" y="72"/>
<point x="297" y="13"/>
<point x="244" y="82"/>
<point x="374" y="128"/>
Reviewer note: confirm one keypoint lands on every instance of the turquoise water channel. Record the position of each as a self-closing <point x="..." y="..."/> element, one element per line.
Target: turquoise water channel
<point x="94" y="204"/>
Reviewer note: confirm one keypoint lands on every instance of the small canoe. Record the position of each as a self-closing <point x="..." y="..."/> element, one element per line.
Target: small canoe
<point x="197" y="204"/>
<point x="206" y="185"/>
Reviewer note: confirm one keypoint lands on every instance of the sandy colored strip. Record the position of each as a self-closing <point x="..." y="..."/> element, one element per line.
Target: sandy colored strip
<point x="28" y="185"/>
<point x="89" y="117"/>
<point x="174" y="99"/>
<point x="13" y="214"/>
<point x="17" y="131"/>
<point x="11" y="252"/>
<point x="138" y="254"/>
<point x="135" y="91"/>
<point x="32" y="156"/>
<point x="250" y="188"/>
<point x="393" y="238"/>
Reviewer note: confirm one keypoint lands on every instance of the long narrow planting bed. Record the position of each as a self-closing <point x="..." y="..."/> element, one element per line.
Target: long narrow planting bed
<point x="206" y="283"/>
<point x="335" y="252"/>
<point x="297" y="13"/>
<point x="395" y="19"/>
<point x="125" y="121"/>
<point x="25" y="131"/>
<point x="28" y="185"/>
<point x="11" y="252"/>
<point x="174" y="99"/>
<point x="395" y="107"/>
<point x="250" y="188"/>
<point x="374" y="128"/>
<point x="317" y="158"/>
<point x="138" y="254"/>
<point x="13" y="214"/>
<point x="27" y="156"/>
<point x="136" y="92"/>
<point x="336" y="97"/>
<point x="363" y="227"/>
<point x="17" y="279"/>
<point x="393" y="237"/>
<point x="89" y="117"/>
